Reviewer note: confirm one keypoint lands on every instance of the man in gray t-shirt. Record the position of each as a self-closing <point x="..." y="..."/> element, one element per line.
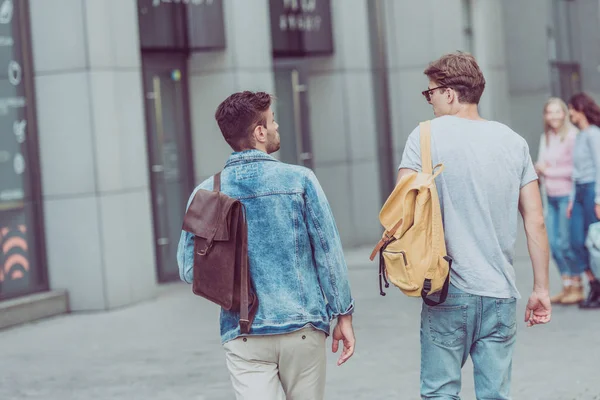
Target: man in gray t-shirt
<point x="488" y="178"/>
<point x="486" y="164"/>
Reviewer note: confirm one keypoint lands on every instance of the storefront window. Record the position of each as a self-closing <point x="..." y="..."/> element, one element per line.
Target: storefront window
<point x="22" y="268"/>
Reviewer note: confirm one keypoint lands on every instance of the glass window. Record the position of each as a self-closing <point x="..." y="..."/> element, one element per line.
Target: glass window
<point x="22" y="268"/>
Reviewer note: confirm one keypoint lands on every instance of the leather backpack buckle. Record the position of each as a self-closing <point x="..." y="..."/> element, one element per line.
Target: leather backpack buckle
<point x="206" y="250"/>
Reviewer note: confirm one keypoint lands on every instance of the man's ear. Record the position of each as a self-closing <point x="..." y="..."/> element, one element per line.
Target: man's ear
<point x="260" y="134"/>
<point x="451" y="94"/>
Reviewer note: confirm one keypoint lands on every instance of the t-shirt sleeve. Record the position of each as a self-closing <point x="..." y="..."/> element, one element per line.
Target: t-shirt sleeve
<point x="528" y="174"/>
<point x="411" y="158"/>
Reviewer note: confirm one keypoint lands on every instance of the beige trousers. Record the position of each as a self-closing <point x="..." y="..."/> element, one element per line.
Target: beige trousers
<point x="278" y="367"/>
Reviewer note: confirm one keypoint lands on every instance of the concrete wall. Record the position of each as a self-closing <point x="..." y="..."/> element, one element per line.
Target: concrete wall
<point x="529" y="80"/>
<point x="418" y="33"/>
<point x="93" y="151"/>
<point x="342" y="124"/>
<point x="91" y="119"/>
<point x="529" y="86"/>
<point x="488" y="32"/>
<point x="588" y="54"/>
<point x="340" y="97"/>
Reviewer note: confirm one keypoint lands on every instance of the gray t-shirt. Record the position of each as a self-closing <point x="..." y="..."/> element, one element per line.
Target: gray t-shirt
<point x="486" y="164"/>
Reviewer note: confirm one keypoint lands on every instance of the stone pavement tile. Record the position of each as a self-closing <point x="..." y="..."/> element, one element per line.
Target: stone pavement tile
<point x="169" y="348"/>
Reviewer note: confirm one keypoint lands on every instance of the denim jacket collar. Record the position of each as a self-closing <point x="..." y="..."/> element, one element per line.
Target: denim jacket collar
<point x="247" y="156"/>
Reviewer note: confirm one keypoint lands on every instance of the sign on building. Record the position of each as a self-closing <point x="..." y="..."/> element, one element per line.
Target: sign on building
<point x="301" y="27"/>
<point x="181" y="25"/>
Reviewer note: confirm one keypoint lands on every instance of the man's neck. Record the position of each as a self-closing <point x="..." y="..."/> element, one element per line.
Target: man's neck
<point x="257" y="147"/>
<point x="468" y="111"/>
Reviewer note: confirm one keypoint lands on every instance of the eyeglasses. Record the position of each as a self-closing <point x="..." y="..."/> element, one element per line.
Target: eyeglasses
<point x="427" y="93"/>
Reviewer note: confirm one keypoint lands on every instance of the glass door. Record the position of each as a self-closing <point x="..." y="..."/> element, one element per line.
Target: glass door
<point x="292" y="113"/>
<point x="170" y="160"/>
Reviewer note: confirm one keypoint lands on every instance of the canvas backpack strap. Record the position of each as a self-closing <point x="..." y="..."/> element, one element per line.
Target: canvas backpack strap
<point x="428" y="168"/>
<point x="425" y="139"/>
<point x="443" y="293"/>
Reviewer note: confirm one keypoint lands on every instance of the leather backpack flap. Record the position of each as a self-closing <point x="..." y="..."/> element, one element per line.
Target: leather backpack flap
<point x="213" y="219"/>
<point x="205" y="216"/>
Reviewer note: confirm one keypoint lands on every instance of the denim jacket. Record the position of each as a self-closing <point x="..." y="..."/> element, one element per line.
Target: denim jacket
<point x="295" y="254"/>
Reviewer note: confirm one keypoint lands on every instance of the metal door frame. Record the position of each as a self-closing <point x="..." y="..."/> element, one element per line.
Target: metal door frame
<point x="155" y="60"/>
<point x="305" y="155"/>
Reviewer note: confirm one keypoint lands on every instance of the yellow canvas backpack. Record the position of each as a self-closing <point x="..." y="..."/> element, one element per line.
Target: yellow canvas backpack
<point x="412" y="251"/>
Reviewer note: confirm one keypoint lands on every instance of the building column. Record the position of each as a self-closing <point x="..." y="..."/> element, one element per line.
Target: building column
<point x="342" y="122"/>
<point x="93" y="153"/>
<point x="488" y="40"/>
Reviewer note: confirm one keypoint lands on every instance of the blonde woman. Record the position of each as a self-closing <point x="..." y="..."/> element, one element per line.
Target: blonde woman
<point x="555" y="168"/>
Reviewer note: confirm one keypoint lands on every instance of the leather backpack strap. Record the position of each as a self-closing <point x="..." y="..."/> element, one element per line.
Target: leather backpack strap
<point x="387" y="238"/>
<point x="217" y="182"/>
<point x="244" y="284"/>
<point x="425" y="138"/>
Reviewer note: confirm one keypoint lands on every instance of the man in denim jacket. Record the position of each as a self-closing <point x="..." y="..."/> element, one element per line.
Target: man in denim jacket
<point x="296" y="262"/>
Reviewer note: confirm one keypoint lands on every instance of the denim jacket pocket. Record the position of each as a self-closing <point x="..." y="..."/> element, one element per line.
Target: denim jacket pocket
<point x="447" y="325"/>
<point x="506" y="313"/>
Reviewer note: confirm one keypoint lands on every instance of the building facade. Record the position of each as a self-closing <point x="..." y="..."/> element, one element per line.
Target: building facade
<point x="108" y="113"/>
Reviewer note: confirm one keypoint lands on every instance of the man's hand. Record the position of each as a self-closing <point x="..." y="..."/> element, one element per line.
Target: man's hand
<point x="539" y="310"/>
<point x="343" y="331"/>
<point x="570" y="209"/>
<point x="597" y="210"/>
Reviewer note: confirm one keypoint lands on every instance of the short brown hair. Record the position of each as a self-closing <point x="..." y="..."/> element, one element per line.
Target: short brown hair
<point x="239" y="114"/>
<point x="460" y="72"/>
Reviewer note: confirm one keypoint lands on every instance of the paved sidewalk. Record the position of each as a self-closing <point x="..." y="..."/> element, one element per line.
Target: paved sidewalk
<point x="168" y="348"/>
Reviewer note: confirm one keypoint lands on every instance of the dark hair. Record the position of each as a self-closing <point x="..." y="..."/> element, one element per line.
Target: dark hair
<point x="460" y="72"/>
<point x="584" y="103"/>
<point x="239" y="114"/>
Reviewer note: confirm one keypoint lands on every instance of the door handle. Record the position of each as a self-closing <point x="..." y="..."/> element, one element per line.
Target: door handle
<point x="297" y="89"/>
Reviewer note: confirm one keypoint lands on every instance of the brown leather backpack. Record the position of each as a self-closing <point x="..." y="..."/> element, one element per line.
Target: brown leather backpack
<point x="221" y="272"/>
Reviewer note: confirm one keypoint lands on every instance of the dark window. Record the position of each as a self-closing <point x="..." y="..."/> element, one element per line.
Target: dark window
<point x="301" y="27"/>
<point x="22" y="257"/>
<point x="181" y="25"/>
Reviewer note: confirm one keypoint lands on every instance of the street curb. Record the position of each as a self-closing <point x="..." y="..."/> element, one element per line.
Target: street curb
<point x="33" y="307"/>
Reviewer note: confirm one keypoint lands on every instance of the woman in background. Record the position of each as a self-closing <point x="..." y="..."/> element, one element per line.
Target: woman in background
<point x="584" y="207"/>
<point x="555" y="168"/>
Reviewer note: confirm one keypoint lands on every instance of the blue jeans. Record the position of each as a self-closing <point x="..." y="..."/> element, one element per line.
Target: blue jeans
<point x="558" y="234"/>
<point x="582" y="216"/>
<point x="484" y="328"/>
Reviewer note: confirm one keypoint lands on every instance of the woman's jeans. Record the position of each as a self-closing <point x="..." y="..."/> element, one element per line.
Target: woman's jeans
<point x="582" y="216"/>
<point x="557" y="224"/>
